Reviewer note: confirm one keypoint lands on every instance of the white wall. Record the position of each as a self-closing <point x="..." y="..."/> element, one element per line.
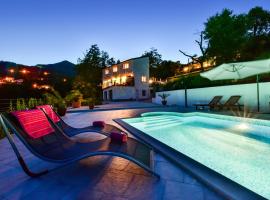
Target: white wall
<point x="123" y="92"/>
<point x="140" y="67"/>
<point x="204" y="95"/>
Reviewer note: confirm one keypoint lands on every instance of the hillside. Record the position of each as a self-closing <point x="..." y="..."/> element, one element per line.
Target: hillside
<point x="64" y="68"/>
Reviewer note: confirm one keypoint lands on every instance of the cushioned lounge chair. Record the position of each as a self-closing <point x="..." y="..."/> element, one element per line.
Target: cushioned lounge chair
<point x="48" y="142"/>
<point x="106" y="129"/>
<point x="232" y="103"/>
<point x="214" y="103"/>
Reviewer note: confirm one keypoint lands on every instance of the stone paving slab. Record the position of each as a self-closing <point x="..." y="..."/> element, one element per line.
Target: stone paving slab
<point x="99" y="177"/>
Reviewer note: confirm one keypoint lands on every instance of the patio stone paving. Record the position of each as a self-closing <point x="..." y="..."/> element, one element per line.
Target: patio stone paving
<point x="100" y="177"/>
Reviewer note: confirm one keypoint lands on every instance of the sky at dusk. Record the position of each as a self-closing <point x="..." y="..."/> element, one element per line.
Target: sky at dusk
<point x="49" y="31"/>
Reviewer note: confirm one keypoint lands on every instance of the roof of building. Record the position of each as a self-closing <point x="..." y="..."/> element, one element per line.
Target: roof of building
<point x="126" y="61"/>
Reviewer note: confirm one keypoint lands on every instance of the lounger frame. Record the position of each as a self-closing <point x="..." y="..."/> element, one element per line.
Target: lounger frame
<point x="7" y="125"/>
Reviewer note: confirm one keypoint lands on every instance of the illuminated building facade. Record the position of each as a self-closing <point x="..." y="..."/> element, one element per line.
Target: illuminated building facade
<point x="128" y="80"/>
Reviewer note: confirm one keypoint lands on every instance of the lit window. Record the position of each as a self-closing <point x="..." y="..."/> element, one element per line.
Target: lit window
<point x="125" y="65"/>
<point x="107" y="71"/>
<point x="115" y="69"/>
<point x="144" y="79"/>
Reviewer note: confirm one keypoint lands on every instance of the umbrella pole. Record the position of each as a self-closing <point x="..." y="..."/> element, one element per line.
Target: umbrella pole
<point x="258" y="93"/>
<point x="186" y="104"/>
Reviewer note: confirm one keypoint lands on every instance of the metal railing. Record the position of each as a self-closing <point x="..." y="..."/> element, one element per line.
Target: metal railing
<point x="5" y="104"/>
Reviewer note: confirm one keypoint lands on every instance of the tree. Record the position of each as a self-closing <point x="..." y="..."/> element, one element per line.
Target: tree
<point x="104" y="58"/>
<point x="89" y="72"/>
<point x="226" y="34"/>
<point x="154" y="60"/>
<point x="111" y="61"/>
<point x="167" y="68"/>
<point x="258" y="21"/>
<point x="195" y="58"/>
<point x="257" y="45"/>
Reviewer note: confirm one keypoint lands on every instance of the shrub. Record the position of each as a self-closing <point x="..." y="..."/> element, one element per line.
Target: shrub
<point x="20" y="104"/>
<point x="74" y="95"/>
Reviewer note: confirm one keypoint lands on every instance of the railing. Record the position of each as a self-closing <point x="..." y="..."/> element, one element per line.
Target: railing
<point x="5" y="104"/>
<point x="129" y="82"/>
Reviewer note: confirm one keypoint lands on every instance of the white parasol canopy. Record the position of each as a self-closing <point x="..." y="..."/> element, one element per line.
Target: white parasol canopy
<point x="239" y="70"/>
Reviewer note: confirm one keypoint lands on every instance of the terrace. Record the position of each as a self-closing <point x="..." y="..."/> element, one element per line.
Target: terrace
<point x="133" y="123"/>
<point x="99" y="177"/>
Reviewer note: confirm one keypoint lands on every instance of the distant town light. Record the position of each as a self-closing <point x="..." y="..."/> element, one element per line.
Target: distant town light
<point x="64" y="80"/>
<point x="34" y="85"/>
<point x="9" y="79"/>
<point x="24" y="71"/>
<point x="11" y="71"/>
<point x="46" y="73"/>
<point x="150" y="81"/>
<point x="46" y="87"/>
<point x="107" y="71"/>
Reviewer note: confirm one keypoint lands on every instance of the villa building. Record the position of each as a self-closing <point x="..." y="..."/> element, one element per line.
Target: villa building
<point x="128" y="80"/>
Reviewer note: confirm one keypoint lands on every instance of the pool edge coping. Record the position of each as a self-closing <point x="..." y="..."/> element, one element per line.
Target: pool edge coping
<point x="224" y="186"/>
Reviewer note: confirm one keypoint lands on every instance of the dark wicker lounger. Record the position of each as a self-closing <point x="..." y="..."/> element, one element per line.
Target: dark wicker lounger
<point x="214" y="103"/>
<point x="56" y="147"/>
<point x="72" y="131"/>
<point x="231" y="103"/>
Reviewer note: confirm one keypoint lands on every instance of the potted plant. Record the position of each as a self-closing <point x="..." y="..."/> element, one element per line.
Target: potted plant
<point x="91" y="103"/>
<point x="77" y="102"/>
<point x="75" y="97"/>
<point x="61" y="108"/>
<point x="164" y="98"/>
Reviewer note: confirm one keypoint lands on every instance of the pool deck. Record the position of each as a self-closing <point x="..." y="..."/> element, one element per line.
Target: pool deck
<point x="100" y="177"/>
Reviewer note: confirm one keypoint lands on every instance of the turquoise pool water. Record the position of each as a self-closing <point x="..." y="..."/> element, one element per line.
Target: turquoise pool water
<point x="235" y="147"/>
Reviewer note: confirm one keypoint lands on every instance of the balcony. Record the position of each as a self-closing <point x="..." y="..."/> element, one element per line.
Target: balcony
<point x="120" y="81"/>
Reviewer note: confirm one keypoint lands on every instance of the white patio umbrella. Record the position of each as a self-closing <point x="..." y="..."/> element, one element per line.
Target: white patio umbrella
<point x="239" y="70"/>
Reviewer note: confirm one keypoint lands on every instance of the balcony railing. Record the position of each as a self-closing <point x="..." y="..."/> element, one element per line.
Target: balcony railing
<point x="129" y="82"/>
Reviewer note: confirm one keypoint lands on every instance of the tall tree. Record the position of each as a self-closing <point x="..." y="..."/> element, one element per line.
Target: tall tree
<point x="89" y="70"/>
<point x="155" y="59"/>
<point x="258" y="21"/>
<point x="111" y="61"/>
<point x="226" y="34"/>
<point x="258" y="42"/>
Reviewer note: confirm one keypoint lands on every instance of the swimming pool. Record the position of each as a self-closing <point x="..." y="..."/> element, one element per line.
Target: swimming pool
<point x="238" y="148"/>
